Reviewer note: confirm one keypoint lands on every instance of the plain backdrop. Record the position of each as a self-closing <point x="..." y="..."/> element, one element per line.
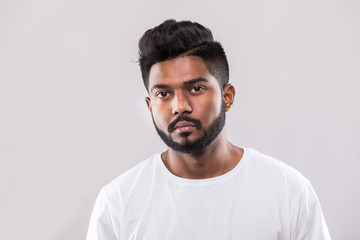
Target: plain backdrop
<point x="73" y="115"/>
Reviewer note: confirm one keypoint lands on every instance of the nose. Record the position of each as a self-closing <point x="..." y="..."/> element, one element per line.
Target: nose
<point x="181" y="104"/>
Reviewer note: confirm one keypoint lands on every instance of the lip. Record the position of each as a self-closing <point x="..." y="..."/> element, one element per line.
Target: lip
<point x="184" y="126"/>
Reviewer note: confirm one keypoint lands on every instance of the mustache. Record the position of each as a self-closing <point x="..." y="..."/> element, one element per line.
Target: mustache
<point x="184" y="118"/>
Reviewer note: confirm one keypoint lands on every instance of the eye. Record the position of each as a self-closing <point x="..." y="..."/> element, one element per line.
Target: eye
<point x="162" y="94"/>
<point x="197" y="89"/>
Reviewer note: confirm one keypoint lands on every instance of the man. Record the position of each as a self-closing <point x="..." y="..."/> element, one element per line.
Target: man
<point x="202" y="186"/>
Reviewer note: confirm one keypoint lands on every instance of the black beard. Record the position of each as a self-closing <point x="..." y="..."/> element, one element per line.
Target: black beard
<point x="199" y="144"/>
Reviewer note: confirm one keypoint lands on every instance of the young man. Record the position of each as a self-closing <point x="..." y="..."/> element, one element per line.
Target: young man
<point x="202" y="187"/>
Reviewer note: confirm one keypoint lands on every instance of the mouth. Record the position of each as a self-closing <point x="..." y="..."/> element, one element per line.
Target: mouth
<point x="184" y="126"/>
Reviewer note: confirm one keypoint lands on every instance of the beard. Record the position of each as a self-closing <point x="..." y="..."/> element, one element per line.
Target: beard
<point x="198" y="145"/>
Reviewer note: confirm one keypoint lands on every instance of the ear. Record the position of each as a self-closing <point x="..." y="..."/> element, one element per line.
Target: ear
<point x="229" y="96"/>
<point x="148" y="103"/>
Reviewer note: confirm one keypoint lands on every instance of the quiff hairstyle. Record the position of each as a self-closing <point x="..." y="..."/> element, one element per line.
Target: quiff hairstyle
<point x="173" y="39"/>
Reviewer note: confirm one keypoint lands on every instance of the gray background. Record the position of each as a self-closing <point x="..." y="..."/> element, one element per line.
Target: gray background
<point x="73" y="114"/>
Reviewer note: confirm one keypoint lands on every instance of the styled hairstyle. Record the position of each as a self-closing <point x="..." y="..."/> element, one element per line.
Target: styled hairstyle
<point x="173" y="39"/>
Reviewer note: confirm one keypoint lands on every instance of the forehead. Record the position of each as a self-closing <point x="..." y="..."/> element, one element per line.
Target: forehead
<point x="179" y="70"/>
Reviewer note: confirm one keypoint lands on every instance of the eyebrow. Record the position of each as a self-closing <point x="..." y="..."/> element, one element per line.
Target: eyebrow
<point x="161" y="86"/>
<point x="196" y="80"/>
<point x="187" y="83"/>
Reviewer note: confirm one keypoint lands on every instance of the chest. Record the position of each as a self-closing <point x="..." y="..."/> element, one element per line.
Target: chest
<point x="230" y="211"/>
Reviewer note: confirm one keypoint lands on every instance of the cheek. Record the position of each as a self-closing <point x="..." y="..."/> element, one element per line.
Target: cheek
<point x="160" y="115"/>
<point x="209" y="110"/>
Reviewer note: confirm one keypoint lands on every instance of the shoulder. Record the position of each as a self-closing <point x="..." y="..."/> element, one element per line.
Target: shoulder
<point x="138" y="176"/>
<point x="273" y="171"/>
<point x="288" y="186"/>
<point x="271" y="165"/>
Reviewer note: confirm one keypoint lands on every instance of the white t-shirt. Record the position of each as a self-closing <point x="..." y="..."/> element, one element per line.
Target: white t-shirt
<point x="261" y="198"/>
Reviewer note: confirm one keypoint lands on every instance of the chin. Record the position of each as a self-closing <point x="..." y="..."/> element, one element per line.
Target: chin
<point x="186" y="137"/>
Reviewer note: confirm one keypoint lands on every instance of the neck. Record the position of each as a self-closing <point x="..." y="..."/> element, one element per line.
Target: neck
<point x="218" y="158"/>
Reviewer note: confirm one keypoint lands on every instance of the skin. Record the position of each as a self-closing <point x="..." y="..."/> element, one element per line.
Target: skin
<point x="184" y="86"/>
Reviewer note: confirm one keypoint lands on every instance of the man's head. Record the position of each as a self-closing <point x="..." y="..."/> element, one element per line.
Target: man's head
<point x="186" y="74"/>
<point x="173" y="39"/>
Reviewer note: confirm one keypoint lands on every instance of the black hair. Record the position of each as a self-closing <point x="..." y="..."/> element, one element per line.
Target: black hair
<point x="172" y="39"/>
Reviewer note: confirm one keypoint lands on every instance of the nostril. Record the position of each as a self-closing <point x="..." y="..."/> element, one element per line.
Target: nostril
<point x="175" y="112"/>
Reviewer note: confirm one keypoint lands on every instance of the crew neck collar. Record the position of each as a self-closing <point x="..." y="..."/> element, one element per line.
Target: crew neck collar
<point x="205" y="181"/>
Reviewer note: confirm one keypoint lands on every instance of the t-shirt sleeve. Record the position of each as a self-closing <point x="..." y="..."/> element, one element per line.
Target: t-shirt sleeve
<point x="103" y="221"/>
<point x="307" y="221"/>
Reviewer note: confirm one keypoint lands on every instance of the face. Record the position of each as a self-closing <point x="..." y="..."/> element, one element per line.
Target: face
<point x="187" y="104"/>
